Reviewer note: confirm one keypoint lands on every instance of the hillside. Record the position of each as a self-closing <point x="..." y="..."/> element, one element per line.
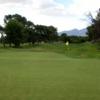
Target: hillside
<point x="75" y="32"/>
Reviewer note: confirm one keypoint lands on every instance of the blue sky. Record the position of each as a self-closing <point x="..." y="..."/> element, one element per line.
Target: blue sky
<point x="65" y="2"/>
<point x="63" y="14"/>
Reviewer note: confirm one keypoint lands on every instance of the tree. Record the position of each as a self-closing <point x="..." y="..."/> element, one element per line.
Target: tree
<point x="91" y="32"/>
<point x="64" y="37"/>
<point x="52" y="33"/>
<point x="19" y="30"/>
<point x="46" y="33"/>
<point x="13" y="30"/>
<point x="77" y="39"/>
<point x="17" y="17"/>
<point x="94" y="30"/>
<point x="2" y="35"/>
<point x="27" y="30"/>
<point x="41" y="33"/>
<point x="12" y="21"/>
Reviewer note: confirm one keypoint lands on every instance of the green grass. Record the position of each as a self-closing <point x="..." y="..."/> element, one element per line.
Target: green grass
<point x="41" y="74"/>
<point x="49" y="73"/>
<point x="83" y="50"/>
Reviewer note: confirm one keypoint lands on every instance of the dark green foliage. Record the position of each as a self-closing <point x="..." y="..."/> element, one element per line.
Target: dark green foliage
<point x="18" y="17"/>
<point x="46" y="33"/>
<point x="19" y="30"/>
<point x="64" y="37"/>
<point x="91" y="32"/>
<point x="73" y="39"/>
<point x="1" y="28"/>
<point x="94" y="30"/>
<point x="14" y="30"/>
<point x="52" y="33"/>
<point x="29" y="31"/>
<point x="77" y="39"/>
<point x="26" y="33"/>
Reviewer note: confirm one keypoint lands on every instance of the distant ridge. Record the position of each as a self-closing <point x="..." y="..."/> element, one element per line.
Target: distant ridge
<point x="75" y="32"/>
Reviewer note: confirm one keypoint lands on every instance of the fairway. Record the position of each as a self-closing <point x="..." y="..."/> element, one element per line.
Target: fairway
<point x="34" y="75"/>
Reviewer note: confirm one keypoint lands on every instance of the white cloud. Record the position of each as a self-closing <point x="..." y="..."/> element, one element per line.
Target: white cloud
<point x="81" y="7"/>
<point x="50" y="12"/>
<point x="14" y="1"/>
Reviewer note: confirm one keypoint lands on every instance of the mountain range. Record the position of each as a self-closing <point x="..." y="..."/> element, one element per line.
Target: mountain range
<point x="75" y="32"/>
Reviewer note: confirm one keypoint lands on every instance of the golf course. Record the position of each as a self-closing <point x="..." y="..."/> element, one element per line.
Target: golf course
<point x="50" y="72"/>
<point x="49" y="49"/>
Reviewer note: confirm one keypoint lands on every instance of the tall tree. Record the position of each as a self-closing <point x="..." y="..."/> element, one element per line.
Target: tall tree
<point x="27" y="30"/>
<point x="14" y="29"/>
<point x="94" y="29"/>
<point x="46" y="33"/>
<point x="19" y="29"/>
<point x="52" y="33"/>
<point x="17" y="17"/>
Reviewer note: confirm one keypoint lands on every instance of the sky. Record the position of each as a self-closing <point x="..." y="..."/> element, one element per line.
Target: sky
<point x="63" y="14"/>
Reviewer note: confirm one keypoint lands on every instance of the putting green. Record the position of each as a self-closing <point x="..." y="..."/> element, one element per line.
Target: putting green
<point x="27" y="75"/>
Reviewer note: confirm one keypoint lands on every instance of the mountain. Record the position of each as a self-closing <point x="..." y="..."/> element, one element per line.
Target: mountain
<point x="75" y="32"/>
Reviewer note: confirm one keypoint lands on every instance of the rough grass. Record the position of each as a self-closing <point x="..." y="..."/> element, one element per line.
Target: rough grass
<point x="41" y="74"/>
<point x="84" y="50"/>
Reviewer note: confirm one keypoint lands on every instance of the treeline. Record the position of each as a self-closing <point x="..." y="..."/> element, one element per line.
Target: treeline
<point x="17" y="29"/>
<point x="73" y="39"/>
